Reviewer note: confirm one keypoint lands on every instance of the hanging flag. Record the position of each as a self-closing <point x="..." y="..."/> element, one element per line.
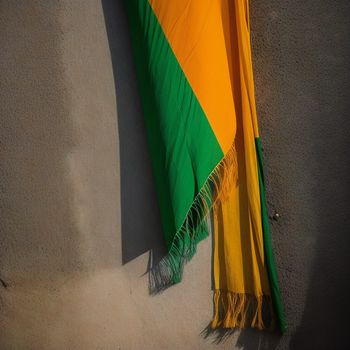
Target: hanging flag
<point x="194" y="66"/>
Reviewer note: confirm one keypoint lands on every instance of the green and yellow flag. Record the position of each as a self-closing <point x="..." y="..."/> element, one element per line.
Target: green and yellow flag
<point x="194" y="67"/>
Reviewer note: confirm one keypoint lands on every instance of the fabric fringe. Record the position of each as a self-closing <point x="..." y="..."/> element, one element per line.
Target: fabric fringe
<point x="169" y="269"/>
<point x="232" y="310"/>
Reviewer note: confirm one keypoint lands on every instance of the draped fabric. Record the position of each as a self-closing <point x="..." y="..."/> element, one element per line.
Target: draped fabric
<point x="194" y="67"/>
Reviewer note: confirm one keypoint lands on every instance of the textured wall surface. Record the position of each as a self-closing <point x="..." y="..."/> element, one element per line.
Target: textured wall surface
<point x="78" y="212"/>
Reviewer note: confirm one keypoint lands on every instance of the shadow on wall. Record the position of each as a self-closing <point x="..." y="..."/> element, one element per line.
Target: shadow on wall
<point x="247" y="339"/>
<point x="303" y="60"/>
<point x="141" y="230"/>
<point x="325" y="321"/>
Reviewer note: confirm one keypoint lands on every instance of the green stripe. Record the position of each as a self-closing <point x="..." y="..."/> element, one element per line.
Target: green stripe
<point x="269" y="257"/>
<point x="183" y="147"/>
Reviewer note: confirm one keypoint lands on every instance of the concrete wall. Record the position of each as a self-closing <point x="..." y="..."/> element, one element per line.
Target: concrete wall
<point x="78" y="213"/>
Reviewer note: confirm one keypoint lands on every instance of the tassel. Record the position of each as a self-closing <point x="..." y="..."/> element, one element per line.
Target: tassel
<point x="239" y="310"/>
<point x="194" y="228"/>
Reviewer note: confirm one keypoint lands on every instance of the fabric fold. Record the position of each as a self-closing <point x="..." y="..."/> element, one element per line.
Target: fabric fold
<point x="194" y="67"/>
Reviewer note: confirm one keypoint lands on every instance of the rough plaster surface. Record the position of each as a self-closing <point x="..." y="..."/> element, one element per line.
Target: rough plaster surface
<point x="78" y="213"/>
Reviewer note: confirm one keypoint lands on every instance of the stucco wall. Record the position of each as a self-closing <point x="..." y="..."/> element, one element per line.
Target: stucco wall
<point x="78" y="213"/>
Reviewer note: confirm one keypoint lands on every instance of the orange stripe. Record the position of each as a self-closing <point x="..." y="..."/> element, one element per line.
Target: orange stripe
<point x="195" y="31"/>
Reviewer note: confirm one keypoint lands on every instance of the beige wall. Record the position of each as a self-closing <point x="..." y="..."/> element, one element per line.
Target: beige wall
<point x="78" y="213"/>
<point x="61" y="241"/>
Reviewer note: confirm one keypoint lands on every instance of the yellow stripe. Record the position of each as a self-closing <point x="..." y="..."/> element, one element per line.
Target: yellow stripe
<point x="196" y="33"/>
<point x="239" y="218"/>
